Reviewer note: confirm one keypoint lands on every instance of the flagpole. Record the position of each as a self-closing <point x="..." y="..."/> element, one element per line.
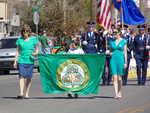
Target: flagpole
<point x="106" y="37"/>
<point x="122" y="15"/>
<point x="116" y="16"/>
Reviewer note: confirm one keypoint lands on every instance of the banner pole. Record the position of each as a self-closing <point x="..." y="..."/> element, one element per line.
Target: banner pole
<point x="122" y="15"/>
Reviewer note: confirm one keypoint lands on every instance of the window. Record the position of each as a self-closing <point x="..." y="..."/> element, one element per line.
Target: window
<point x="8" y="43"/>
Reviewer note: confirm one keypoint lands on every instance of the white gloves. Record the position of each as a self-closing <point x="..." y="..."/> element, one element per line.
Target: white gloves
<point x="107" y="52"/>
<point x="85" y="43"/>
<point x="147" y="47"/>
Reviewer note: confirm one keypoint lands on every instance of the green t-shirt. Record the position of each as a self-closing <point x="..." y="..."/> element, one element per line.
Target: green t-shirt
<point x="44" y="41"/>
<point x="26" y="48"/>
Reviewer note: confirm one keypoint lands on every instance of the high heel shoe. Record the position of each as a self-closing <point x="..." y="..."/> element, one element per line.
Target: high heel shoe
<point x="116" y="97"/>
<point x="120" y="97"/>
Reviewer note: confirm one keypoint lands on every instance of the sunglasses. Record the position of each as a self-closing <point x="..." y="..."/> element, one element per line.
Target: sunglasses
<point x="25" y="31"/>
<point x="115" y="33"/>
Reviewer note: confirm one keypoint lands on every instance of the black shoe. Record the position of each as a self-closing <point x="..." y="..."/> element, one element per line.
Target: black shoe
<point x="139" y="83"/>
<point x="103" y="84"/>
<point x="143" y="83"/>
<point x="26" y="98"/>
<point x="76" y="95"/>
<point x="108" y="84"/>
<point x="124" y="84"/>
<point x="69" y="95"/>
<point x="20" y="97"/>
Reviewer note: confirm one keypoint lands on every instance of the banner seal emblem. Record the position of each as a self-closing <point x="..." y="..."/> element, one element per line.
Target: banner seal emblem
<point x="72" y="75"/>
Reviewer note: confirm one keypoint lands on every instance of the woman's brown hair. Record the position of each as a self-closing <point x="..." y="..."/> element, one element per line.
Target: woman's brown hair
<point x="25" y="28"/>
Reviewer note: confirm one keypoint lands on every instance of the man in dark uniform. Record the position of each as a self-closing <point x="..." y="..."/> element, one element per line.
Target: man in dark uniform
<point x="129" y="36"/>
<point x="102" y="49"/>
<point x="101" y="42"/>
<point x="107" y="75"/>
<point x="148" y="42"/>
<point x="141" y="55"/>
<point x="89" y="39"/>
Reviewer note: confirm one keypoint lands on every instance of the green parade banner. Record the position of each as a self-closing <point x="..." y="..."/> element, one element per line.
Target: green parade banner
<point x="62" y="73"/>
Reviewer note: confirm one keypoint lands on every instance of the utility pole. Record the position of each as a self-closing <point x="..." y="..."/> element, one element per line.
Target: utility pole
<point x="28" y="2"/>
<point x="6" y="17"/>
<point x="6" y="3"/>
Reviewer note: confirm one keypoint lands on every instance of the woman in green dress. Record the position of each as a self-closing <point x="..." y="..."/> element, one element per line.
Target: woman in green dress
<point x="118" y="62"/>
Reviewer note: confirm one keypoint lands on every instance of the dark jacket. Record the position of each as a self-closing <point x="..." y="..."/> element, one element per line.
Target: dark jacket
<point x="139" y="47"/>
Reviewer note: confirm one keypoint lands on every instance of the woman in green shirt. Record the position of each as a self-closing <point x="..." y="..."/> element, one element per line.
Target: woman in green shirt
<point x="26" y="50"/>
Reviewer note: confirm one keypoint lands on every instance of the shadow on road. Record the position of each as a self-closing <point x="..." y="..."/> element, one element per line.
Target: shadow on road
<point x="37" y="98"/>
<point x="104" y="97"/>
<point x="9" y="97"/>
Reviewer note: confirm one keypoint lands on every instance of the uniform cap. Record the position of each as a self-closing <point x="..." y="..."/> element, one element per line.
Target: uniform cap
<point x="125" y="27"/>
<point x="141" y="27"/>
<point x="90" y="23"/>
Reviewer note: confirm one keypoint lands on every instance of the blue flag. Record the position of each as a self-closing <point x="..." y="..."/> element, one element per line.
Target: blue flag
<point x="117" y="4"/>
<point x="131" y="13"/>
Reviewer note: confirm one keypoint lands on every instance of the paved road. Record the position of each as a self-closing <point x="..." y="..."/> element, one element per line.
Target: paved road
<point x="136" y="99"/>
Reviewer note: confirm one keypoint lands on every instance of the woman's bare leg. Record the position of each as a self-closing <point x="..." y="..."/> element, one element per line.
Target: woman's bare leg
<point x="22" y="85"/>
<point x="115" y="83"/>
<point x="28" y="85"/>
<point x="119" y="86"/>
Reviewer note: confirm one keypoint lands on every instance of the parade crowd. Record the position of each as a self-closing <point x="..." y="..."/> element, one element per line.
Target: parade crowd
<point x="120" y="45"/>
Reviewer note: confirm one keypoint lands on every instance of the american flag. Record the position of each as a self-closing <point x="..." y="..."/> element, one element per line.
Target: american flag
<point x="104" y="14"/>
